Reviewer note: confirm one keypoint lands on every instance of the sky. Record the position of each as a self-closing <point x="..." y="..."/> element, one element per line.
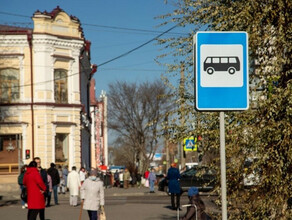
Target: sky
<point x="114" y="28"/>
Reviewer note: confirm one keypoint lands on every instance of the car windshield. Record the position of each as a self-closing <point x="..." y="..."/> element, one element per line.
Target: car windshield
<point x="189" y="172"/>
<point x="198" y="171"/>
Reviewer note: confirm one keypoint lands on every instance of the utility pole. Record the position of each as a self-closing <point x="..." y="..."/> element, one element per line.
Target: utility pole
<point x="182" y="101"/>
<point x="166" y="143"/>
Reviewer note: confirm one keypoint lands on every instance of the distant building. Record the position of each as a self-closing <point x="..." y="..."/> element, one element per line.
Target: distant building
<point x="44" y="92"/>
<point x="87" y="72"/>
<point x="99" y="137"/>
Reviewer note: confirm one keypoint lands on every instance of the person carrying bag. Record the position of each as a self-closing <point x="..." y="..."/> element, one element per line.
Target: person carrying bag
<point x="102" y="215"/>
<point x="92" y="195"/>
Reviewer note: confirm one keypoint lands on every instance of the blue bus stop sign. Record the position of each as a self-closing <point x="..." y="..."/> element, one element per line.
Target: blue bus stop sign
<point x="221" y="71"/>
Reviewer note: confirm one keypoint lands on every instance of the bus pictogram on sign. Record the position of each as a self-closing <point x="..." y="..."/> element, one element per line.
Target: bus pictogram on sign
<point x="229" y="64"/>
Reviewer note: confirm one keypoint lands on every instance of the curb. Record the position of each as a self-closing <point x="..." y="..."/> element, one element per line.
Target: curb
<point x="138" y="194"/>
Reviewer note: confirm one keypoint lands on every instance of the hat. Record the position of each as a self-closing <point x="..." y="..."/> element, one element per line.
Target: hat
<point x="193" y="191"/>
<point x="93" y="173"/>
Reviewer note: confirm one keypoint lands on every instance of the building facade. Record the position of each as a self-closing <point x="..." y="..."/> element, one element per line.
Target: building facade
<point x="99" y="137"/>
<point x="40" y="91"/>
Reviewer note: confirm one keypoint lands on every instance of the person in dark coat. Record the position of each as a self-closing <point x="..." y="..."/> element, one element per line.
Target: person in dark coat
<point x="65" y="175"/>
<point x="20" y="183"/>
<point x="173" y="177"/>
<point x="35" y="192"/>
<point x="197" y="210"/>
<point x="54" y="173"/>
<point x="139" y="179"/>
<point x="43" y="173"/>
<point x="116" y="178"/>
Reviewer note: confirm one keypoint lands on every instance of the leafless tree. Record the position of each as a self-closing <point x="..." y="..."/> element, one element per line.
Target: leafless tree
<point x="135" y="112"/>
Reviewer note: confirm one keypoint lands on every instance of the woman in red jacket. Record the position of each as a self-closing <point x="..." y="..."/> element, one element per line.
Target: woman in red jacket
<point x="35" y="192"/>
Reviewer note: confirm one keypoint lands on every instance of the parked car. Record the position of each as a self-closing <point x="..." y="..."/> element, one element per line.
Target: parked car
<point x="198" y="176"/>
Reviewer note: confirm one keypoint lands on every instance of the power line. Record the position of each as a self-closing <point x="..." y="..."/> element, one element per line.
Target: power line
<point x="96" y="25"/>
<point x="136" y="48"/>
<point x="12" y="14"/>
<point x="108" y="61"/>
<point x="127" y="29"/>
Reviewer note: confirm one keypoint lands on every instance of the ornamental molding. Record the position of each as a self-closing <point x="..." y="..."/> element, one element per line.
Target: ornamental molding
<point x="13" y="42"/>
<point x="72" y="43"/>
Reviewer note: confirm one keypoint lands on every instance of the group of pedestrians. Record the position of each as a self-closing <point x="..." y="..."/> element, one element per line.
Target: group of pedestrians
<point x="40" y="184"/>
<point x="124" y="179"/>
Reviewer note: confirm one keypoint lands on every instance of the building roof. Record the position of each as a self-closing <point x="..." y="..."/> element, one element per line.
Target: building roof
<point x="54" y="13"/>
<point x="7" y="29"/>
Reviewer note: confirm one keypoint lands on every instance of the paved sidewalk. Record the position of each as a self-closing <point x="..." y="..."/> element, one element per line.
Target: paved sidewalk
<point x="13" y="196"/>
<point x="121" y="204"/>
<point x="132" y="191"/>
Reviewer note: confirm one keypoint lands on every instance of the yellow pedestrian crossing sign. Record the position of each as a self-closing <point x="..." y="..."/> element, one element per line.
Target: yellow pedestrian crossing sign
<point x="190" y="144"/>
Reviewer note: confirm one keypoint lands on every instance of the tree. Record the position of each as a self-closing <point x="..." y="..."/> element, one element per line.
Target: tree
<point x="263" y="131"/>
<point x="135" y="112"/>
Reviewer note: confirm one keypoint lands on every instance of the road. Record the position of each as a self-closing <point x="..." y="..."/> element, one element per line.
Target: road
<point x="121" y="204"/>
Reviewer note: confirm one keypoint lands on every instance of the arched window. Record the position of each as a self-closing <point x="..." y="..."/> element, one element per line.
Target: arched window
<point x="9" y="85"/>
<point x="61" y="88"/>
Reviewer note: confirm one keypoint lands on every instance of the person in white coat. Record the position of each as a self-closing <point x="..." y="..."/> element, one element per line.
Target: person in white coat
<point x="92" y="195"/>
<point x="73" y="183"/>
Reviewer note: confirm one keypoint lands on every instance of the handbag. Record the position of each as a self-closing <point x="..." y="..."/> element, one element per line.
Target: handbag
<point x="23" y="194"/>
<point x="102" y="216"/>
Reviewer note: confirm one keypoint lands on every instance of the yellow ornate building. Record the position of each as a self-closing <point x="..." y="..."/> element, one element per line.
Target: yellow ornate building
<point x="40" y="98"/>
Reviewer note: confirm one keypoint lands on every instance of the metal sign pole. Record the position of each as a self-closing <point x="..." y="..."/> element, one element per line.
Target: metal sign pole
<point x="223" y="166"/>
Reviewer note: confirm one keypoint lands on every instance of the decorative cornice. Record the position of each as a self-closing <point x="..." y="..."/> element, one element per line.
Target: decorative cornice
<point x="56" y="42"/>
<point x="43" y="39"/>
<point x="11" y="41"/>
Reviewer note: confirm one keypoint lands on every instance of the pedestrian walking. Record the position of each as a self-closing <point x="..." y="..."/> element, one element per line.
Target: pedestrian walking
<point x="146" y="175"/>
<point x="121" y="178"/>
<point x="49" y="192"/>
<point x="82" y="175"/>
<point x="65" y="175"/>
<point x="152" y="179"/>
<point x="116" y="178"/>
<point x="139" y="179"/>
<point x="106" y="179"/>
<point x="126" y="178"/>
<point x="73" y="183"/>
<point x="196" y="210"/>
<point x="134" y="179"/>
<point x="173" y="177"/>
<point x="53" y="172"/>
<point x="62" y="186"/>
<point x="35" y="192"/>
<point x="43" y="174"/>
<point x="20" y="183"/>
<point x="92" y="195"/>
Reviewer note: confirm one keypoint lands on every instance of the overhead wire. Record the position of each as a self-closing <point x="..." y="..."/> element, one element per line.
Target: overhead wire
<point x="104" y="63"/>
<point x="138" y="47"/>
<point x="95" y="25"/>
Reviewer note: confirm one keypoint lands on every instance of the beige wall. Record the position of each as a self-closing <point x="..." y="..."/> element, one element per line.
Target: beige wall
<point x="48" y="119"/>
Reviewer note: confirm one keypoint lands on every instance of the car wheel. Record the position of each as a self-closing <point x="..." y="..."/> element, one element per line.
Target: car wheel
<point x="210" y="70"/>
<point x="231" y="70"/>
